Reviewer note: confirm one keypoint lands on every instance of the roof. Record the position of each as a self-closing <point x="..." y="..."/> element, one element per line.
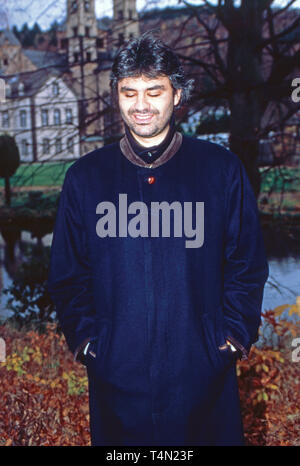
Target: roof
<point x="45" y="59"/>
<point x="32" y="81"/>
<point x="8" y="35"/>
<point x="170" y="12"/>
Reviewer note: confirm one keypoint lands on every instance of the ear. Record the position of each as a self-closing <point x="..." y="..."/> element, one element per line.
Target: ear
<point x="177" y="96"/>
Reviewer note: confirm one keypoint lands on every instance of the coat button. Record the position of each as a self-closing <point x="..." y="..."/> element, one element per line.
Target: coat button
<point x="151" y="179"/>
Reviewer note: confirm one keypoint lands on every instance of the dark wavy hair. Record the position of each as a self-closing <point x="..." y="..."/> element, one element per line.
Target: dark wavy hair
<point x="149" y="56"/>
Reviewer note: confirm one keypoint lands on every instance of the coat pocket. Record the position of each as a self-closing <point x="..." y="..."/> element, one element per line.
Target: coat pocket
<point x="219" y="353"/>
<point x="96" y="355"/>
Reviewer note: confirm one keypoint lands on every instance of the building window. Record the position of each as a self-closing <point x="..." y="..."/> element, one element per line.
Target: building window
<point x="100" y="42"/>
<point x="23" y="118"/>
<point x="76" y="57"/>
<point x="130" y="16"/>
<point x="75" y="31"/>
<point x="57" y="120"/>
<point x="131" y="36"/>
<point x="7" y="89"/>
<point x="120" y="14"/>
<point x="70" y="145"/>
<point x="121" y="39"/>
<point x="64" y="43"/>
<point x="46" y="146"/>
<point x="24" y="147"/>
<point x="55" y="89"/>
<point x="87" y="31"/>
<point x="58" y="146"/>
<point x="45" y="117"/>
<point x="5" y="119"/>
<point x="74" y="6"/>
<point x="88" y="56"/>
<point x="5" y="61"/>
<point x="86" y="5"/>
<point x="20" y="89"/>
<point x="69" y="116"/>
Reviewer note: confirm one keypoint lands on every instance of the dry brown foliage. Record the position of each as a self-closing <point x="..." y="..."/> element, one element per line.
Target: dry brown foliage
<point x="44" y="393"/>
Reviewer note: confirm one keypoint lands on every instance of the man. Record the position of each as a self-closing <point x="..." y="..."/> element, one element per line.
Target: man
<point x="158" y="268"/>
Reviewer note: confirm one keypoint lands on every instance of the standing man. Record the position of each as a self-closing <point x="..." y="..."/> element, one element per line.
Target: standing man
<point x="158" y="268"/>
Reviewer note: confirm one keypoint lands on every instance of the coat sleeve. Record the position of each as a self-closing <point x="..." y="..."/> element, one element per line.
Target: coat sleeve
<point x="245" y="264"/>
<point x="69" y="279"/>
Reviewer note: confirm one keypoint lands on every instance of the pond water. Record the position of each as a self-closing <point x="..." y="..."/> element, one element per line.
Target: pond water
<point x="282" y="287"/>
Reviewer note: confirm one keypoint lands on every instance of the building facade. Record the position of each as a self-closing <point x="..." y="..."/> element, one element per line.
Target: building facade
<point x="58" y="104"/>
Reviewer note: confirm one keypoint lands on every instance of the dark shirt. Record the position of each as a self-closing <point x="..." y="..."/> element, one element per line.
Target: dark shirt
<point x="149" y="154"/>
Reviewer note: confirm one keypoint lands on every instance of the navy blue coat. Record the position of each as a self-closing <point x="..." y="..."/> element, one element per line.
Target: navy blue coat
<point x="158" y="311"/>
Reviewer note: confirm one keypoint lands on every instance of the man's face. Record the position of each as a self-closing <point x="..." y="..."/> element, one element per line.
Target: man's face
<point x="146" y="104"/>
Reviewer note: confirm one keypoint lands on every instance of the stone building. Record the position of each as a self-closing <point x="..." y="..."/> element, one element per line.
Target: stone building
<point x="64" y="96"/>
<point x="81" y="61"/>
<point x="41" y="112"/>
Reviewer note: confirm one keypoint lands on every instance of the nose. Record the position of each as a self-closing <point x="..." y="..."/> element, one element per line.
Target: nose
<point x="141" y="103"/>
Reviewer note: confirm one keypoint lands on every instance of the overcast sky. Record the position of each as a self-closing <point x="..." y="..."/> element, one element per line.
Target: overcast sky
<point x="45" y="12"/>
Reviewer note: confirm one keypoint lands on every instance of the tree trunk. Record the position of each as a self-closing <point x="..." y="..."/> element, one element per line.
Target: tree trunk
<point x="244" y="63"/>
<point x="7" y="190"/>
<point x="244" y="140"/>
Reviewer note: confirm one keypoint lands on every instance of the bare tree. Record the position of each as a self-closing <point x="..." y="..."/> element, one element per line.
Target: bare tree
<point x="243" y="55"/>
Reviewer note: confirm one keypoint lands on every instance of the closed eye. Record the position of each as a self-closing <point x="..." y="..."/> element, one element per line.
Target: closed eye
<point x="150" y="95"/>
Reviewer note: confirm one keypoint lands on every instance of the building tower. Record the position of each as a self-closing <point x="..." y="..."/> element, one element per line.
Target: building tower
<point x="81" y="31"/>
<point x="125" y="21"/>
<point x="81" y="41"/>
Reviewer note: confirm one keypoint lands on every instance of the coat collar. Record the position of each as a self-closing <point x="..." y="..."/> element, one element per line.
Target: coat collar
<point x="156" y="150"/>
<point x="170" y="151"/>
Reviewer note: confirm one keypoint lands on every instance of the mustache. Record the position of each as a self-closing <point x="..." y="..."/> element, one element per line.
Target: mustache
<point x="144" y="112"/>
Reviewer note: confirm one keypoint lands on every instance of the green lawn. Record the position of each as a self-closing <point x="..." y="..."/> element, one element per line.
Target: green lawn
<point x="39" y="174"/>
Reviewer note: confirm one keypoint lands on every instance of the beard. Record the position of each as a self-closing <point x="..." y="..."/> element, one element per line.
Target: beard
<point x="148" y="130"/>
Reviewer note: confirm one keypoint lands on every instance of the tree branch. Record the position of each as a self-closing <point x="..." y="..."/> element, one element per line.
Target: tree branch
<point x="211" y="36"/>
<point x="281" y="34"/>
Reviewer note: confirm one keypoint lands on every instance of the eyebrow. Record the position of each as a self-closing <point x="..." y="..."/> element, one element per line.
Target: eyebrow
<point x="152" y="88"/>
